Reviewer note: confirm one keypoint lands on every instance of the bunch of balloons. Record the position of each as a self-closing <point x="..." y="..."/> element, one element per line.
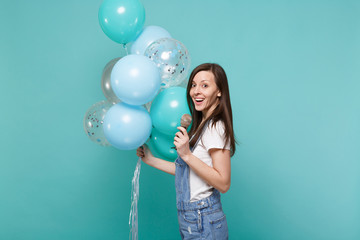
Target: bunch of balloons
<point x="144" y="100"/>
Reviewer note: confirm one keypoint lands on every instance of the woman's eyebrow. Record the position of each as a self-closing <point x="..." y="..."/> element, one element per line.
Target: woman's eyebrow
<point x="204" y="80"/>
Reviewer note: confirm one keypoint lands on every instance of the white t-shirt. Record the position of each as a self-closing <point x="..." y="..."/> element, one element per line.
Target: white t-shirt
<point x="213" y="137"/>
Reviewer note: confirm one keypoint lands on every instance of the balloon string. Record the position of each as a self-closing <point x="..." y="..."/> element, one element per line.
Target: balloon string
<point x="133" y="218"/>
<point x="126" y="49"/>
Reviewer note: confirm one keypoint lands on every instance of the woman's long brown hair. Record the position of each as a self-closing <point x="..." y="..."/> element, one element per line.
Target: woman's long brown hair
<point x="223" y="110"/>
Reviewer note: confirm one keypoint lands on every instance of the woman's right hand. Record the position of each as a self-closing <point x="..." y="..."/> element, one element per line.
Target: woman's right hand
<point x="147" y="157"/>
<point x="144" y="153"/>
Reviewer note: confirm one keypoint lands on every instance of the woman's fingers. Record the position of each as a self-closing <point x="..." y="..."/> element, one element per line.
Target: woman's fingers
<point x="178" y="141"/>
<point x="140" y="152"/>
<point x="179" y="134"/>
<point x="182" y="130"/>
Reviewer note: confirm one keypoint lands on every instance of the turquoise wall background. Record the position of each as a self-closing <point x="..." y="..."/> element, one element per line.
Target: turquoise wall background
<point x="294" y="73"/>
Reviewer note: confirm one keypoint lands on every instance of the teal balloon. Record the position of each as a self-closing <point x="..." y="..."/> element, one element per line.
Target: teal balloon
<point x="167" y="109"/>
<point x="154" y="151"/>
<point x="164" y="144"/>
<point x="127" y="127"/>
<point x="121" y="20"/>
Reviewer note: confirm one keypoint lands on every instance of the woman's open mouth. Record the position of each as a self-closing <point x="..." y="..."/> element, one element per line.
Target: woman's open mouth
<point x="198" y="101"/>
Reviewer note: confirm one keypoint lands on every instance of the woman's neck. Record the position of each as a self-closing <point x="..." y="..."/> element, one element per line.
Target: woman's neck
<point x="206" y="114"/>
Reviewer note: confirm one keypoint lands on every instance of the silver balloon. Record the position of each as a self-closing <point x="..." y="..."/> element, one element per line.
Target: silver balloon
<point x="172" y="58"/>
<point x="148" y="106"/>
<point x="106" y="80"/>
<point x="93" y="122"/>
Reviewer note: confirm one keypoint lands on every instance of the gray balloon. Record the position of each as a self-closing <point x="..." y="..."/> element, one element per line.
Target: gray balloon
<point x="106" y="82"/>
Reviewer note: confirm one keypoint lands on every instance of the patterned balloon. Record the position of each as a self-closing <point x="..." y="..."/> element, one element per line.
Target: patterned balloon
<point x="172" y="58"/>
<point x="93" y="122"/>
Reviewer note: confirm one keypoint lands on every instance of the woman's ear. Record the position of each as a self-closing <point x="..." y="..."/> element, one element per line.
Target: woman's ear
<point x="219" y="94"/>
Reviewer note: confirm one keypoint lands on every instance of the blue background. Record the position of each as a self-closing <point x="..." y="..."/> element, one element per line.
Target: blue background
<point x="294" y="74"/>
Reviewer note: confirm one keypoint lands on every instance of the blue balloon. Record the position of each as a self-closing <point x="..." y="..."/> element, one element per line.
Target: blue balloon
<point x="167" y="109"/>
<point x="127" y="127"/>
<point x="135" y="79"/>
<point x="149" y="35"/>
<point x="122" y="20"/>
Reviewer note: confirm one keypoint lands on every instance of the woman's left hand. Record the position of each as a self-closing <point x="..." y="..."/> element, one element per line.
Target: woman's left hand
<point x="181" y="142"/>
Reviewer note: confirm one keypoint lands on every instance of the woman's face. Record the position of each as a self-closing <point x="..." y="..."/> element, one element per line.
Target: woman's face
<point x="204" y="93"/>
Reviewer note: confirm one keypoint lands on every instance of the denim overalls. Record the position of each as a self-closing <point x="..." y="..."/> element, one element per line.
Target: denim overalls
<point x="203" y="219"/>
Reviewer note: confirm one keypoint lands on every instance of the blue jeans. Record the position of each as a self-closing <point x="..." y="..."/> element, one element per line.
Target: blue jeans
<point x="203" y="219"/>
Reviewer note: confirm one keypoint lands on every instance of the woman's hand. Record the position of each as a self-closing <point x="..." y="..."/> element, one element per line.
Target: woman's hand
<point x="147" y="157"/>
<point x="144" y="153"/>
<point x="181" y="142"/>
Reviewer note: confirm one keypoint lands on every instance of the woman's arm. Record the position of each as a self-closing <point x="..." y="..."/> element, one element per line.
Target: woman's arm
<point x="219" y="175"/>
<point x="148" y="158"/>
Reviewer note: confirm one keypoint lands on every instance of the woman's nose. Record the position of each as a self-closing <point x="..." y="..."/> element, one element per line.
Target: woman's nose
<point x="197" y="90"/>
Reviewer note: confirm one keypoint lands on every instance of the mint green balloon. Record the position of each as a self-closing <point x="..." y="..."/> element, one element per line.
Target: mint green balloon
<point x="167" y="109"/>
<point x="163" y="144"/>
<point x="122" y="20"/>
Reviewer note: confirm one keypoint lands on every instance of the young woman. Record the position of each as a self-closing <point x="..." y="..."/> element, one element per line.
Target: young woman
<point x="202" y="168"/>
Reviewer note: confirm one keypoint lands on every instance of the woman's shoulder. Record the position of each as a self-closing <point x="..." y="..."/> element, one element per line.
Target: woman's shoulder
<point x="219" y="124"/>
<point x="216" y="127"/>
<point x="214" y="136"/>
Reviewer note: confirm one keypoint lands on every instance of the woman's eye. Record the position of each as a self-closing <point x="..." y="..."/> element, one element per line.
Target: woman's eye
<point x="205" y="85"/>
<point x="192" y="85"/>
